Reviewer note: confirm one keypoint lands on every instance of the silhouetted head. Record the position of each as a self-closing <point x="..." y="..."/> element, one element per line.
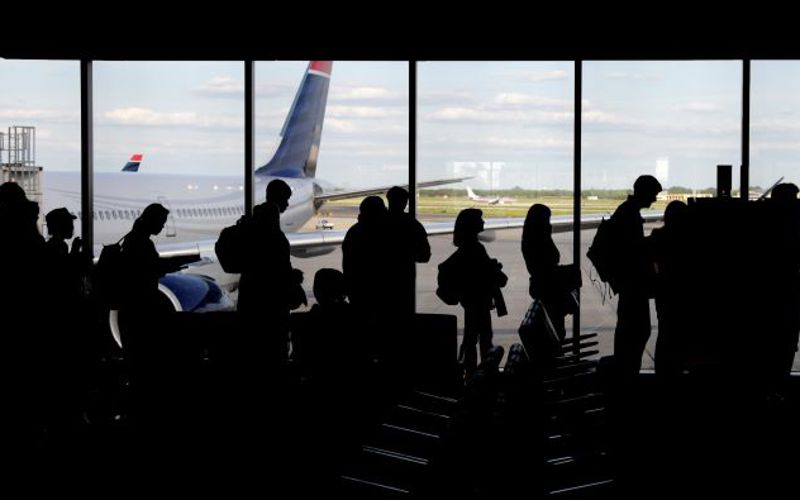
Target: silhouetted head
<point x="153" y="218"/>
<point x="278" y="192"/>
<point x="60" y="223"/>
<point x="645" y="190"/>
<point x="676" y="214"/>
<point x="11" y="192"/>
<point x="329" y="287"/>
<point x="785" y="192"/>
<point x="398" y="199"/>
<point x="537" y="221"/>
<point x="372" y="210"/>
<point x="469" y="224"/>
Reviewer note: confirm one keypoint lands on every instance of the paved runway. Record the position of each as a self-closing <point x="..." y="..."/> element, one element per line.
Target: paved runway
<point x="598" y="309"/>
<point x="598" y="314"/>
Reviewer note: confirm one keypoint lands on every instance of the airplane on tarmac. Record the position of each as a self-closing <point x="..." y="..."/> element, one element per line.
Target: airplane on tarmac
<point x="200" y="206"/>
<point x="498" y="200"/>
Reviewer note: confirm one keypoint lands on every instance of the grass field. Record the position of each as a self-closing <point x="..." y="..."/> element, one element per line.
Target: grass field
<point x="560" y="205"/>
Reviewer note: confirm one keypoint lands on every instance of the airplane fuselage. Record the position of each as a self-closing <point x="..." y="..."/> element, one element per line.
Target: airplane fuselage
<point x="200" y="206"/>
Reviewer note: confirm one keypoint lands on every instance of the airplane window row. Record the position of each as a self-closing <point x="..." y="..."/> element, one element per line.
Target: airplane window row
<point x="180" y="212"/>
<point x="210" y="212"/>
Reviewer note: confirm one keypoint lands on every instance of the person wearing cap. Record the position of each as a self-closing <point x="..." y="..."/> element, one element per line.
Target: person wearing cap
<point x="63" y="349"/>
<point x="636" y="279"/>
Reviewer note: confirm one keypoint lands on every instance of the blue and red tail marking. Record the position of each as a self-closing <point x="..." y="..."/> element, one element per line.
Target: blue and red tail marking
<point x="297" y="153"/>
<point x="133" y="163"/>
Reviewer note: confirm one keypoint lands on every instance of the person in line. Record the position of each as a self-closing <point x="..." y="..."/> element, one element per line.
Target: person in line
<point x="473" y="279"/>
<point x="635" y="279"/>
<point x="269" y="286"/>
<point x="542" y="260"/>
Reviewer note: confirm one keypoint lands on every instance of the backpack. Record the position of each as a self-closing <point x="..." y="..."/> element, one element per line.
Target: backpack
<point x="109" y="275"/>
<point x="231" y="246"/>
<point x="449" y="280"/>
<point x="604" y="251"/>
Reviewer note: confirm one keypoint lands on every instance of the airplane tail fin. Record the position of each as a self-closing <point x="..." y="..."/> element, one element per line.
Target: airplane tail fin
<point x="297" y="152"/>
<point x="471" y="194"/>
<point x="133" y="163"/>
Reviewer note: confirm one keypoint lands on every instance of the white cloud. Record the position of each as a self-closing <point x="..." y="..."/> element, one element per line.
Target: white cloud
<point x="518" y="99"/>
<point x="370" y="112"/>
<point x="222" y="86"/>
<point x="365" y="93"/>
<point x="475" y="115"/>
<point x="145" y="117"/>
<point x="339" y="125"/>
<point x="445" y="97"/>
<point x="38" y="114"/>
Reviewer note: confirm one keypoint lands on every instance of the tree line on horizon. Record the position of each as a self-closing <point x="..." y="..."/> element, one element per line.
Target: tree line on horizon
<point x="519" y="192"/>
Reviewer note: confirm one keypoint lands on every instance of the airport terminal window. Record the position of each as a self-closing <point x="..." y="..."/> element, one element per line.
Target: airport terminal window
<point x="186" y="120"/>
<point x="774" y="128"/>
<point x="673" y="120"/>
<point x="774" y="124"/>
<point x="364" y="141"/>
<point x="39" y="129"/>
<point x="509" y="127"/>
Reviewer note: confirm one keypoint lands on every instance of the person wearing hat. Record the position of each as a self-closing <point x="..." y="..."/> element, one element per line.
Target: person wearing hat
<point x="63" y="348"/>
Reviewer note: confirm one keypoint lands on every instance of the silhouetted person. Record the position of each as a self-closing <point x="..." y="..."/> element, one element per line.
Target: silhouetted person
<point x="785" y="284"/>
<point x="408" y="245"/>
<point x="67" y="348"/>
<point x="635" y="279"/>
<point x="478" y="281"/>
<point x="325" y="342"/>
<point x="541" y="259"/>
<point x="66" y="266"/>
<point x="268" y="282"/>
<point x="365" y="267"/>
<point x="670" y="247"/>
<point x="23" y="369"/>
<point x="142" y="303"/>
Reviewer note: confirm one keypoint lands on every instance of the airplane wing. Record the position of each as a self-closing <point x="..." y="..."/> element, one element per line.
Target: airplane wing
<point x="204" y="250"/>
<point x="344" y="195"/>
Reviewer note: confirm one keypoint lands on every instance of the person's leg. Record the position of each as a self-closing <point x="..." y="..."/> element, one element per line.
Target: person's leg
<point x="468" y="354"/>
<point x="632" y="332"/>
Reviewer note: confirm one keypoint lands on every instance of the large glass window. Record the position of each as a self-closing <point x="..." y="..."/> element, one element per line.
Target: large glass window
<point x="774" y="127"/>
<point x="169" y="133"/>
<point x="364" y="142"/>
<point x="40" y="138"/>
<point x="508" y="127"/>
<point x="774" y="124"/>
<point x="673" y="120"/>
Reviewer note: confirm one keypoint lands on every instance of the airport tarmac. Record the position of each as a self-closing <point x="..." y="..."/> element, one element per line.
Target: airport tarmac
<point x="598" y="306"/>
<point x="598" y="311"/>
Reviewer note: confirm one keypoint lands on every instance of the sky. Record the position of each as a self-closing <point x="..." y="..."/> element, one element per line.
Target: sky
<point x="505" y="123"/>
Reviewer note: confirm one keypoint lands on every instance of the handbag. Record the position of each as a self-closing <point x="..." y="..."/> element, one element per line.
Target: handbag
<point x="537" y="333"/>
<point x="569" y="281"/>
